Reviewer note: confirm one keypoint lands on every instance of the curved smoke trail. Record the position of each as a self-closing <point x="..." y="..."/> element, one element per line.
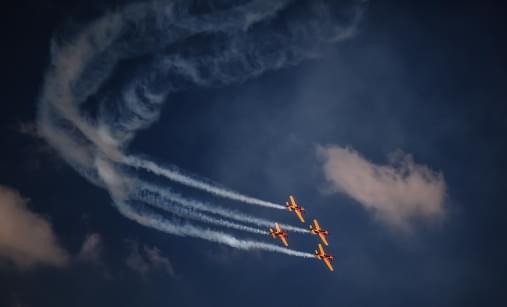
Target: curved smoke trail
<point x="89" y="112"/>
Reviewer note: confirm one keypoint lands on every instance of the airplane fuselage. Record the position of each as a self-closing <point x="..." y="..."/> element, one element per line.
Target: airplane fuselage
<point x="295" y="208"/>
<point x="324" y="232"/>
<point x="325" y="256"/>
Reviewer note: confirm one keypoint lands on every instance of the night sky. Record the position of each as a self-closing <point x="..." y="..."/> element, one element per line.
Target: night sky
<point x="417" y="88"/>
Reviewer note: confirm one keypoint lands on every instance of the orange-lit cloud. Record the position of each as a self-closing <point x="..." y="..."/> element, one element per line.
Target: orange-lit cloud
<point x="397" y="193"/>
<point x="26" y="238"/>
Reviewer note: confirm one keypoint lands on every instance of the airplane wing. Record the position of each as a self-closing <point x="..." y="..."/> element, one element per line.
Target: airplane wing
<point x="300" y="216"/>
<point x="284" y="240"/>
<point x="316" y="223"/>
<point x="321" y="249"/>
<point x="292" y="200"/>
<point x="328" y="263"/>
<point x="323" y="238"/>
<point x="277" y="227"/>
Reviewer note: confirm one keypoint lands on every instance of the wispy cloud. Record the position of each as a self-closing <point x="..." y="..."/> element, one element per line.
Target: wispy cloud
<point x="159" y="261"/>
<point x="145" y="259"/>
<point x="91" y="249"/>
<point x="37" y="152"/>
<point x="397" y="193"/>
<point x="28" y="128"/>
<point x="26" y="239"/>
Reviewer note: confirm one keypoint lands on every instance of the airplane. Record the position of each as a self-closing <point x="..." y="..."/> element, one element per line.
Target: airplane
<point x="278" y="232"/>
<point x="315" y="229"/>
<point x="321" y="255"/>
<point x="292" y="205"/>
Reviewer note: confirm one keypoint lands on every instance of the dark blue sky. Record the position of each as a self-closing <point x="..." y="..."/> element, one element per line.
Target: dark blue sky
<point x="428" y="78"/>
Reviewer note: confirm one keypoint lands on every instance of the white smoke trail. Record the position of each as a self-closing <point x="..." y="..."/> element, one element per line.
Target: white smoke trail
<point x="182" y="50"/>
<point x="158" y="222"/>
<point x="177" y="176"/>
<point x="119" y="183"/>
<point x="166" y="194"/>
<point x="189" y="213"/>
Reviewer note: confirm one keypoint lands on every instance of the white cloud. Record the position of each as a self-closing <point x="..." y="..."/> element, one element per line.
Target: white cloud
<point x="26" y="239"/>
<point x="397" y="193"/>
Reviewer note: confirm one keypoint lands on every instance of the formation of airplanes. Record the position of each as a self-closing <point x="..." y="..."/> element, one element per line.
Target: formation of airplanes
<point x="315" y="229"/>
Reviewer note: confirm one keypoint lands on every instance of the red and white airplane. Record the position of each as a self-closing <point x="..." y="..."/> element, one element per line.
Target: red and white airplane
<point x="315" y="229"/>
<point x="293" y="206"/>
<point x="321" y="255"/>
<point x="278" y="232"/>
